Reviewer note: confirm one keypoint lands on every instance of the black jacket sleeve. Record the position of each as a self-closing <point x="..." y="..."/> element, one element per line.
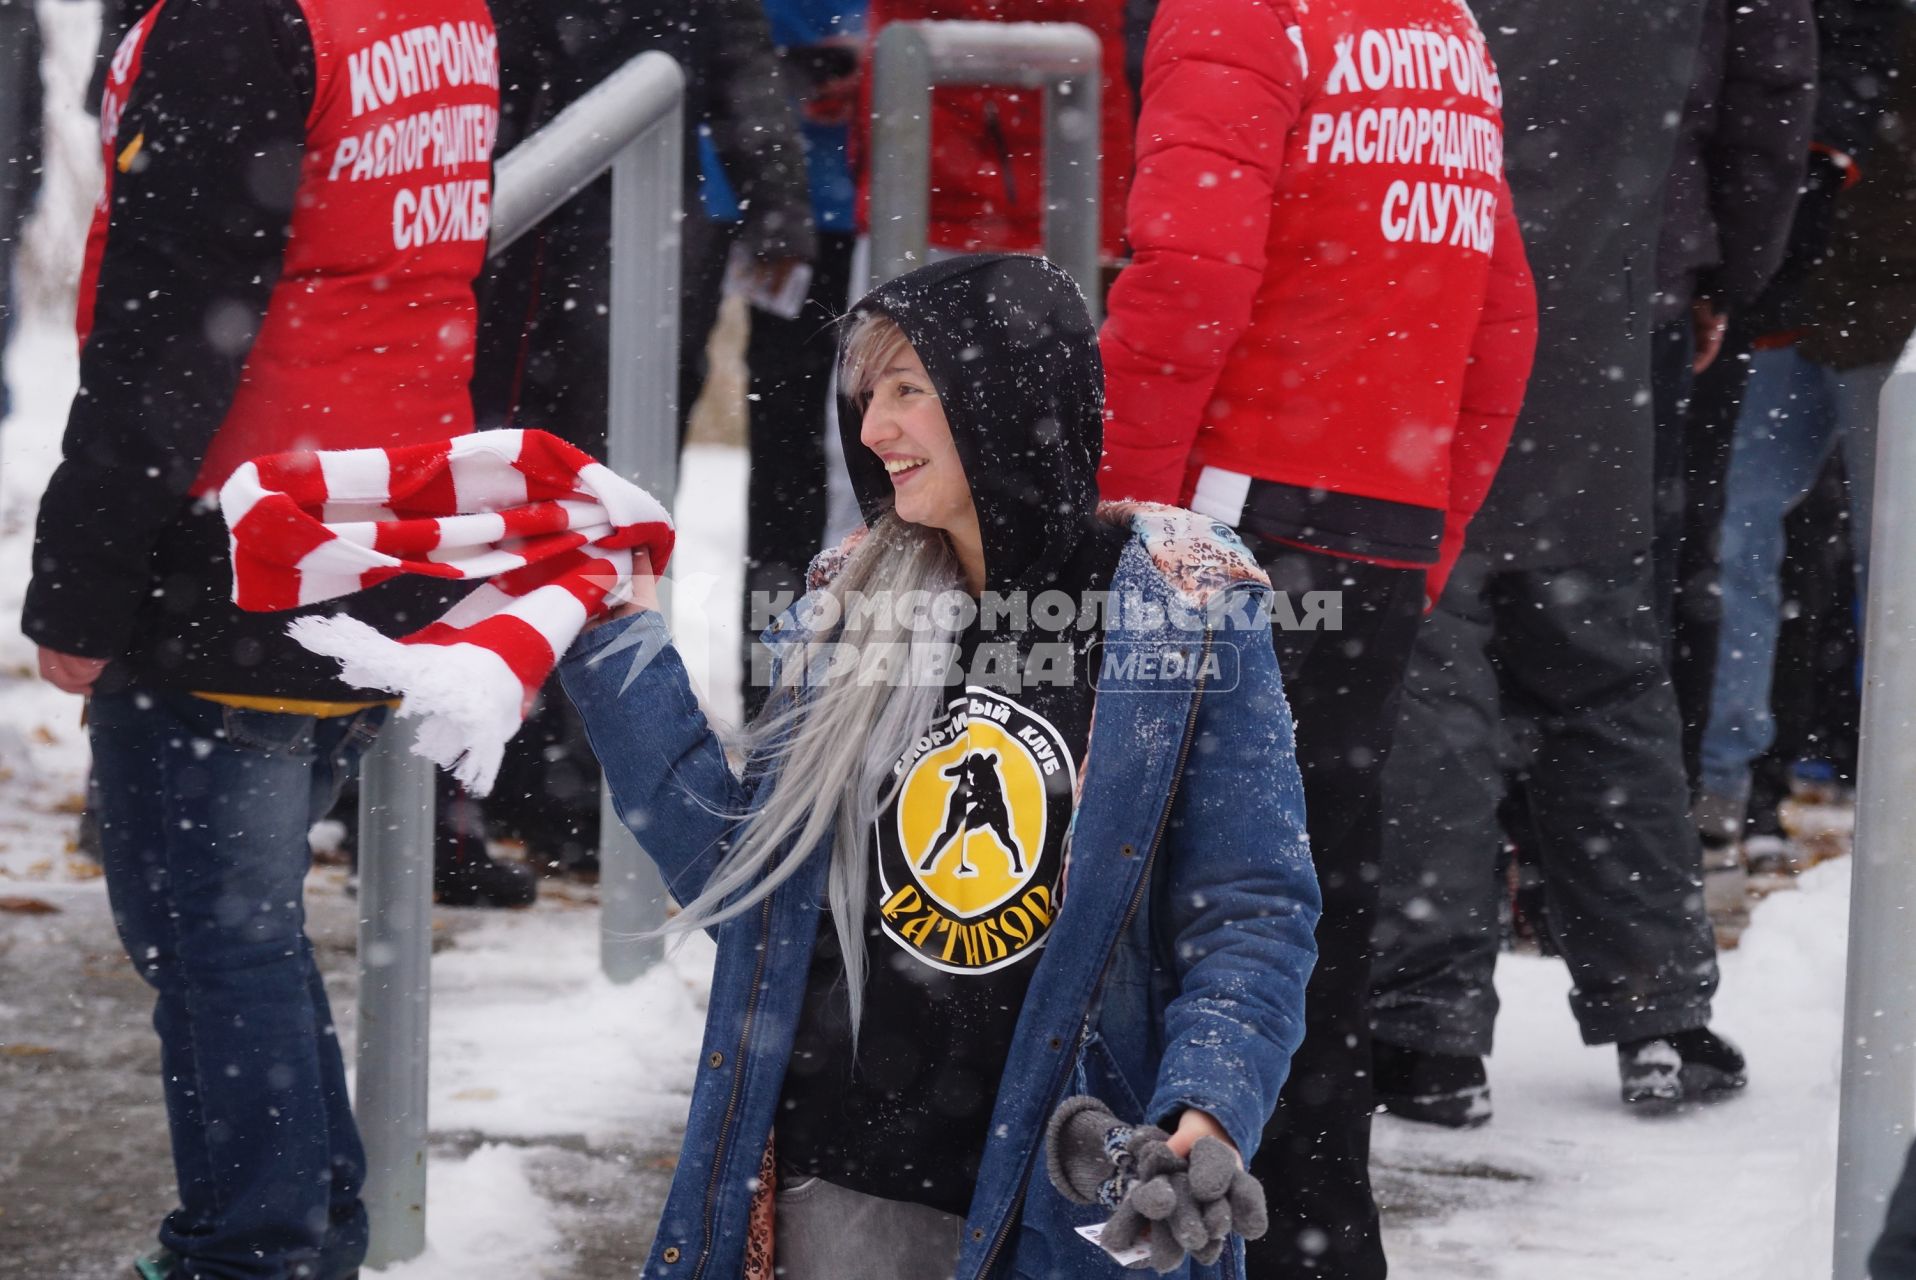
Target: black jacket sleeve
<point x="1855" y="45"/>
<point x="754" y="124"/>
<point x="1756" y="155"/>
<point x="210" y="147"/>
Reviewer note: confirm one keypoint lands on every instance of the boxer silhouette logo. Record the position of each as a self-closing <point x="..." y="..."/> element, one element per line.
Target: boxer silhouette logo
<point x="977" y="802"/>
<point x="969" y="845"/>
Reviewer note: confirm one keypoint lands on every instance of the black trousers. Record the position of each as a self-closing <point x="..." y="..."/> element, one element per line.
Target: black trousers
<point x="791" y="380"/>
<point x="1704" y="438"/>
<point x="1343" y="687"/>
<point x="1554" y="678"/>
<point x="1673" y="347"/>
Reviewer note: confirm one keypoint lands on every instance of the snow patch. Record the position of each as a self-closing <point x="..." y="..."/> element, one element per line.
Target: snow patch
<point x="484" y="1218"/>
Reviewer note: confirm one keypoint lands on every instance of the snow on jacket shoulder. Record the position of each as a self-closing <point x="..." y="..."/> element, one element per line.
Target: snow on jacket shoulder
<point x="1329" y="290"/>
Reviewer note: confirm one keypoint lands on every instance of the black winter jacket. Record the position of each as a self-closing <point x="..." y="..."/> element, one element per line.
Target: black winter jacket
<point x="551" y="54"/>
<point x="1592" y="96"/>
<point x="1739" y="155"/>
<point x="1860" y="305"/>
<point x="1855" y="47"/>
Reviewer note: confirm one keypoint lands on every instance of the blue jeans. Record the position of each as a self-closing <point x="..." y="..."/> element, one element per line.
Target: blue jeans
<point x="204" y="811"/>
<point x="1794" y="413"/>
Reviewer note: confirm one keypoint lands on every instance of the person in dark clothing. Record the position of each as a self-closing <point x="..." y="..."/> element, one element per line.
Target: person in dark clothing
<point x="20" y="108"/>
<point x="1814" y="387"/>
<point x="1855" y="41"/>
<point x="1726" y="218"/>
<point x="545" y="316"/>
<point x="259" y="277"/>
<point x="1243" y="350"/>
<point x="1542" y="658"/>
<point x="884" y="1081"/>
<point x="1740" y="155"/>
<point x="789" y="358"/>
<point x="545" y="323"/>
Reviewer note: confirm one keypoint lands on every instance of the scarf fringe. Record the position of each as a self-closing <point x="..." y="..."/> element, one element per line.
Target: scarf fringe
<point x="467" y="701"/>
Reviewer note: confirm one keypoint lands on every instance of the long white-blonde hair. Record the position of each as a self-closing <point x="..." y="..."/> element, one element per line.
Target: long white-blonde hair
<point x="827" y="749"/>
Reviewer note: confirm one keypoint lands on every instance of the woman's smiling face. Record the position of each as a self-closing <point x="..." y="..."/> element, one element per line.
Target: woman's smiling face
<point x="904" y="424"/>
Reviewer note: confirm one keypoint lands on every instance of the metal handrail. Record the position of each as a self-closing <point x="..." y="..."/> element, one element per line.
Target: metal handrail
<point x="1062" y="58"/>
<point x="633" y="124"/>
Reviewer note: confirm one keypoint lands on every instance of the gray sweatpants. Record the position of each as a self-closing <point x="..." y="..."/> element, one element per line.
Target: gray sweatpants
<point x="823" y="1231"/>
<point x="1553" y="680"/>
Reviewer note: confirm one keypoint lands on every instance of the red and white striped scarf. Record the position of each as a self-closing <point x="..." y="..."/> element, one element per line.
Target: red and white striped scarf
<point x="553" y="530"/>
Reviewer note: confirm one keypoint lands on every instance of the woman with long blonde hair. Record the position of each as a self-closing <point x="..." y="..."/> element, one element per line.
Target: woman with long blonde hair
<point x="1019" y="823"/>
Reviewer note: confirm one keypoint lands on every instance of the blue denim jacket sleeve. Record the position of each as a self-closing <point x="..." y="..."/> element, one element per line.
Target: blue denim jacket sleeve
<point x="1241" y="904"/>
<point x="671" y="782"/>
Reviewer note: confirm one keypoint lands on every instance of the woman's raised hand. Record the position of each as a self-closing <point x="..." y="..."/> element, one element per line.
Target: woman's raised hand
<point x="640" y="593"/>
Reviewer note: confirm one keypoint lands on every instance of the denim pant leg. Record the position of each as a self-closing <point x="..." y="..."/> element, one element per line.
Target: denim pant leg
<point x="1857" y="395"/>
<point x="204" y="812"/>
<point x="1784" y="432"/>
<point x="339" y="743"/>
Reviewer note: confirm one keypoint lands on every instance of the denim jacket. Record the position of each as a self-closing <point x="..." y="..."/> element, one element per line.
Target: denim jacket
<point x="1174" y="974"/>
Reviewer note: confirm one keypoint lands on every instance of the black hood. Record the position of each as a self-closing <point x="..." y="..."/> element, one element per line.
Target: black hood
<point x="1013" y="354"/>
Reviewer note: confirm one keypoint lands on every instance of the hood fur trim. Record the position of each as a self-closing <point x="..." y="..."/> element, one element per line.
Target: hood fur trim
<point x="1196" y="555"/>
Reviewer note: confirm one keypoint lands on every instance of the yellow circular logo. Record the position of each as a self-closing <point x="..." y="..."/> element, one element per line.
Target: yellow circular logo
<point x="969" y="847"/>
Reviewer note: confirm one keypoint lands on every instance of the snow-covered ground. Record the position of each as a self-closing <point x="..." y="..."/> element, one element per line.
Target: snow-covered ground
<point x="1564" y="1184"/>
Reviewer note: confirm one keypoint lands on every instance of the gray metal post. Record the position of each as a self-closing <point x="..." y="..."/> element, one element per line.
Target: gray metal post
<point x="1060" y="58"/>
<point x="901" y="145"/>
<point x="642" y="444"/>
<point x="1072" y="158"/>
<point x="1879" y="1003"/>
<point x="395" y="992"/>
<point x="632" y="122"/>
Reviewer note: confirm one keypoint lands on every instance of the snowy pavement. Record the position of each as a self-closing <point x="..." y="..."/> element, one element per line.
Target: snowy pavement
<point x="557" y="1098"/>
<point x="1564" y="1184"/>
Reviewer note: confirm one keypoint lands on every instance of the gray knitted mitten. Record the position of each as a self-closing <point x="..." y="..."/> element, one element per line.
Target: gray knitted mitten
<point x="1194" y="1205"/>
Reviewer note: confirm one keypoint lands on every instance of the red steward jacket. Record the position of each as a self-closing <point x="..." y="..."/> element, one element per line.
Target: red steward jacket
<point x="367" y="338"/>
<point x="1329" y="301"/>
<point x="297" y="201"/>
<point x="988" y="144"/>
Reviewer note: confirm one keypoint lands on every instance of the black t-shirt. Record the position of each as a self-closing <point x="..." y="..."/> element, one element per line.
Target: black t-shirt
<point x="968" y="858"/>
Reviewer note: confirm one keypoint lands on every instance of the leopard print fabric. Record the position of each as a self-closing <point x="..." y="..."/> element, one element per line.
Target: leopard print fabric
<point x="759" y="1226"/>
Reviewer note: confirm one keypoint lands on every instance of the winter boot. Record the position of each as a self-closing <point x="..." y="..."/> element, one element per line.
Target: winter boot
<point x="473" y="878"/>
<point x="1665" y="1072"/>
<point x="1726" y="893"/>
<point x="1726" y="881"/>
<point x="158" y="1265"/>
<point x="1773" y="856"/>
<point x="1432" y="1088"/>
